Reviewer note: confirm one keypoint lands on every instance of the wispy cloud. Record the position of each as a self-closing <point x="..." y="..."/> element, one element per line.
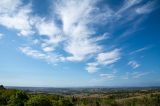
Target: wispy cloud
<point x="107" y="76"/>
<point x="103" y="78"/>
<point x="146" y="8"/>
<point x="108" y="57"/>
<point x="127" y="5"/>
<point x="75" y="26"/>
<point x="40" y="55"/>
<point x="133" y="21"/>
<point x="72" y="30"/>
<point x="33" y="53"/>
<point x="14" y="16"/>
<point x="133" y="64"/>
<point x="105" y="58"/>
<point x="134" y="75"/>
<point x="139" y="74"/>
<point x="140" y="50"/>
<point x="46" y="27"/>
<point x="80" y="50"/>
<point x="48" y="49"/>
<point x="92" y="67"/>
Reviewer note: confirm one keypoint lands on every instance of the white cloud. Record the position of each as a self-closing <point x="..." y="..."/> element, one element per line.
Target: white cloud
<point x="72" y="16"/>
<point x="128" y="4"/>
<point x="106" y="58"/>
<point x="92" y="67"/>
<point x="19" y="20"/>
<point x="101" y="37"/>
<point x="75" y="32"/>
<point x="134" y="75"/>
<point x="9" y="6"/>
<point x="110" y="57"/>
<point x="75" y="26"/>
<point x="139" y="50"/>
<point x="33" y="53"/>
<point x="47" y="28"/>
<point x="124" y="11"/>
<point x="146" y="8"/>
<point x="80" y="49"/>
<point x="41" y="55"/>
<point x="51" y="31"/>
<point x="133" y="64"/>
<point x="139" y="74"/>
<point x="48" y="49"/>
<point x="107" y="76"/>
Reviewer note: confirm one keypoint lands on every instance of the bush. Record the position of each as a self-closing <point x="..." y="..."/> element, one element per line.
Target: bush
<point x="18" y="99"/>
<point x="62" y="102"/>
<point x="38" y="101"/>
<point x="1" y="87"/>
<point x="3" y="100"/>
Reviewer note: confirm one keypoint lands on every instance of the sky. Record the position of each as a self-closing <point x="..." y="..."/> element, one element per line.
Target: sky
<point x="79" y="43"/>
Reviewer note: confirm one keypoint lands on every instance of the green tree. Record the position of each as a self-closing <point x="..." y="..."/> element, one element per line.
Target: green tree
<point x="38" y="101"/>
<point x="1" y="87"/>
<point x="62" y="102"/>
<point x="18" y="99"/>
<point x="3" y="100"/>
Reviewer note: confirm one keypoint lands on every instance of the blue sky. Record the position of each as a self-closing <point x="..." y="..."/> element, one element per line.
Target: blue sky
<point x="77" y="43"/>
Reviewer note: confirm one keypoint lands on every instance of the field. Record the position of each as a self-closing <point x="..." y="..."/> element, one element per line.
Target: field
<point x="29" y="96"/>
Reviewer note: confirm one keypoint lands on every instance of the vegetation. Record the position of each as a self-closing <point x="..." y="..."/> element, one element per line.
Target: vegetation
<point x="1" y="87"/>
<point x="11" y="97"/>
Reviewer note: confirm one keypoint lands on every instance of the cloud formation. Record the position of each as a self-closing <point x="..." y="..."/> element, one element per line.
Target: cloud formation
<point x="92" y="67"/>
<point x="107" y="76"/>
<point x="134" y="75"/>
<point x="146" y="8"/>
<point x="140" y="50"/>
<point x="133" y="64"/>
<point x="108" y="57"/>
<point x="105" y="58"/>
<point x="72" y="34"/>
<point x="139" y="74"/>
<point x="15" y="16"/>
<point x="40" y="54"/>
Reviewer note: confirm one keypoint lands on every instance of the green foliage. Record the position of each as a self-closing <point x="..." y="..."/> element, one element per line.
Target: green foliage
<point x="20" y="98"/>
<point x="38" y="101"/>
<point x="62" y="102"/>
<point x="1" y="87"/>
<point x="3" y="99"/>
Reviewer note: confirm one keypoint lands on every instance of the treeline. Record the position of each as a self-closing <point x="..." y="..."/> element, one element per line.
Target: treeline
<point x="21" y="98"/>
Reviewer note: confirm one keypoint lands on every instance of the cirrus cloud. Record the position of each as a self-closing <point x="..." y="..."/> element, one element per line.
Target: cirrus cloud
<point x="72" y="34"/>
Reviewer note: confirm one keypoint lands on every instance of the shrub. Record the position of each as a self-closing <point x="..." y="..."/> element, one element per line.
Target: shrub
<point x="38" y="101"/>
